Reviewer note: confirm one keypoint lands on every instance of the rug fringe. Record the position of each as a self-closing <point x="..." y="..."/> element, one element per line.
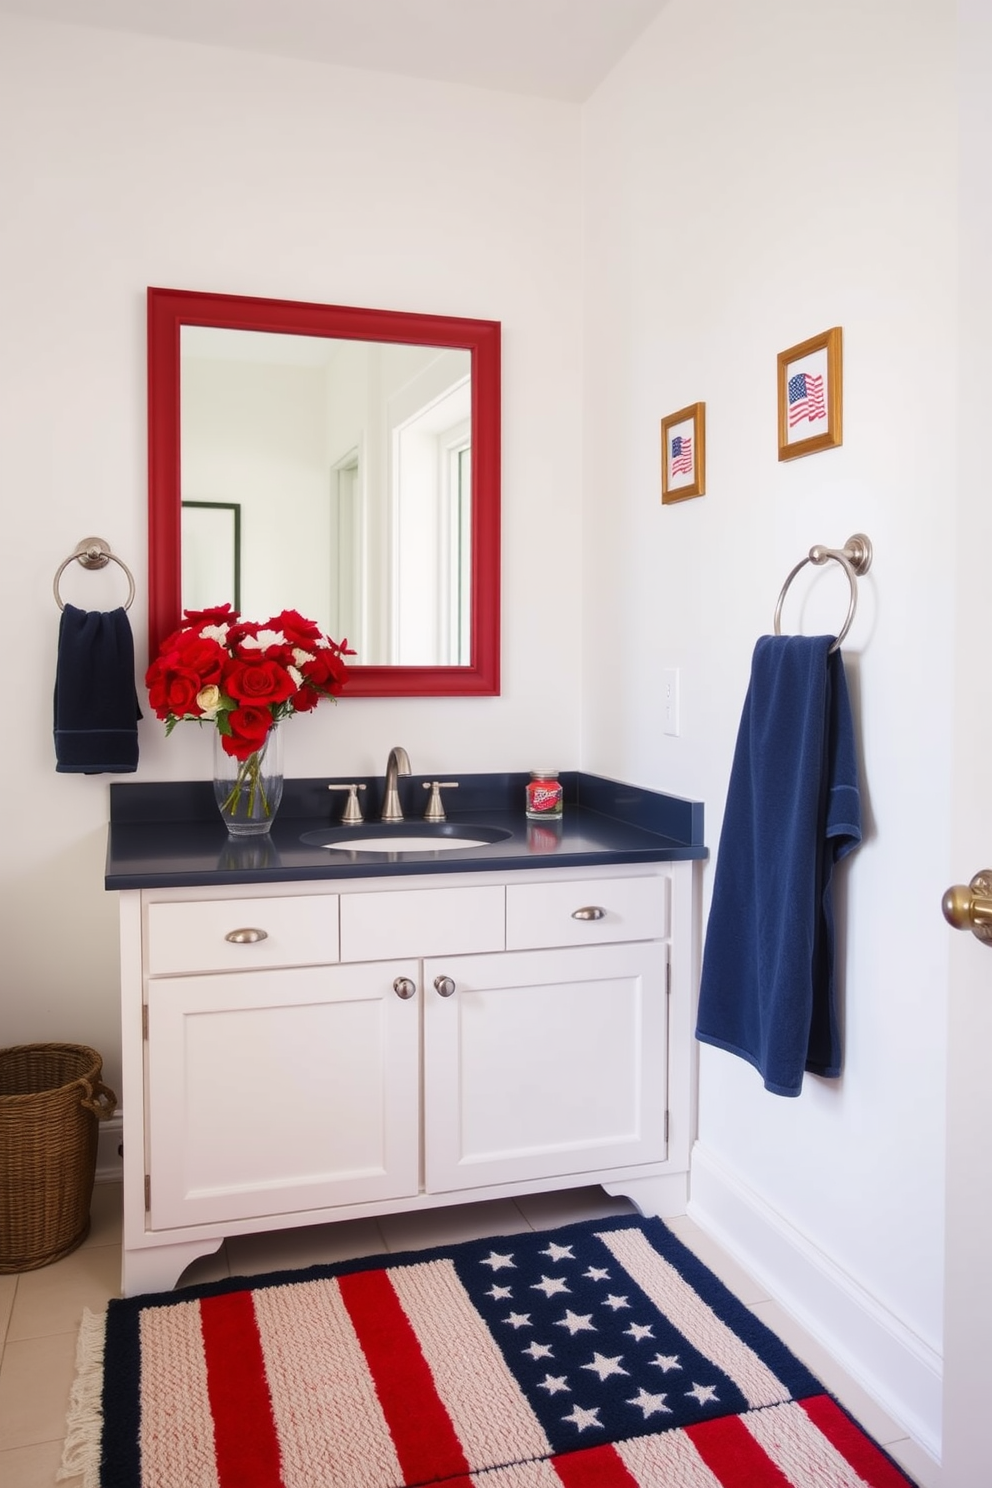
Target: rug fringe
<point x="84" y="1420"/>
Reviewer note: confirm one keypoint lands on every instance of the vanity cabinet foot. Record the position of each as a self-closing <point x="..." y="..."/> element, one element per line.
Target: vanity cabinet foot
<point x="158" y="1268"/>
<point x="663" y="1195"/>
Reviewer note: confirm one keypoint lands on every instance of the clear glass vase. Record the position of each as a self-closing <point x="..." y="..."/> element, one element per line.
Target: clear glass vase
<point x="248" y="791"/>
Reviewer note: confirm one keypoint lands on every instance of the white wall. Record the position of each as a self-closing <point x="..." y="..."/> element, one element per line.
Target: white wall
<point x="132" y="162"/>
<point x="754" y="175"/>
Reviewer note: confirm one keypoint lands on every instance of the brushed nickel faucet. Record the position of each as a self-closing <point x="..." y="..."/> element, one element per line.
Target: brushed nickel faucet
<point x="398" y="763"/>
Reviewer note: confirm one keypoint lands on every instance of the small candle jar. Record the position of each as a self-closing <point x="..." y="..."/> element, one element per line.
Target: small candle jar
<point x="544" y="795"/>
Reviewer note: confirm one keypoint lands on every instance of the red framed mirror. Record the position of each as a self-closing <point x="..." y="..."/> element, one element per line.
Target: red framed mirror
<point x="366" y="441"/>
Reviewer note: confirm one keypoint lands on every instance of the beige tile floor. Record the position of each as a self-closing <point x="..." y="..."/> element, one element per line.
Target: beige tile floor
<point x="40" y="1310"/>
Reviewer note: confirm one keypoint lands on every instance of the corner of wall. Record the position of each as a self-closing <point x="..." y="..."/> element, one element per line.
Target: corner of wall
<point x="901" y="1372"/>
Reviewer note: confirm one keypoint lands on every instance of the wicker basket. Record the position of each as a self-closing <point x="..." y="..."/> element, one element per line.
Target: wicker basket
<point x="51" y="1098"/>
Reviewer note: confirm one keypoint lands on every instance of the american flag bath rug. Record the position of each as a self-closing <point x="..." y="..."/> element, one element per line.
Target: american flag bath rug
<point x="600" y="1355"/>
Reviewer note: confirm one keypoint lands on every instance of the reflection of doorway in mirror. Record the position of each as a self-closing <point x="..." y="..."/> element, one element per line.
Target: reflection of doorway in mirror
<point x="457" y="562"/>
<point x="346" y="560"/>
<point x="432" y="502"/>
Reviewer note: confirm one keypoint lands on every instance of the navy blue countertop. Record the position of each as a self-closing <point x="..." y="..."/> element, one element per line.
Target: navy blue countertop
<point x="170" y="835"/>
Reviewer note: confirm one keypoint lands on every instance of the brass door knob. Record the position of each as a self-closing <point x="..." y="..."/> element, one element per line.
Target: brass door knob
<point x="969" y="907"/>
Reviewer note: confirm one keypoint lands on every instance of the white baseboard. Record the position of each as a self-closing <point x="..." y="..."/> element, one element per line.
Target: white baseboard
<point x="896" y="1367"/>
<point x="109" y="1166"/>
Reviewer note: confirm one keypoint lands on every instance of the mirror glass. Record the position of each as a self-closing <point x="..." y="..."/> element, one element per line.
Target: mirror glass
<point x="343" y="463"/>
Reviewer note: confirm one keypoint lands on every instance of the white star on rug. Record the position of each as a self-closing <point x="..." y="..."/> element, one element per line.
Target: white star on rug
<point x="597" y="1273"/>
<point x="703" y="1393"/>
<point x="650" y="1404"/>
<point x="498" y="1261"/>
<point x="638" y="1331"/>
<point x="576" y="1324"/>
<point x="554" y="1384"/>
<point x="616" y="1302"/>
<point x="583" y="1418"/>
<point x="549" y="1285"/>
<point x="605" y="1367"/>
<point x="499" y="1294"/>
<point x="559" y="1252"/>
<point x="518" y="1319"/>
<point x="539" y="1351"/>
<point x="666" y="1361"/>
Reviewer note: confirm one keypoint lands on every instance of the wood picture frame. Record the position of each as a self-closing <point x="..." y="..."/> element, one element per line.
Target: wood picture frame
<point x="810" y="395"/>
<point x="683" y="454"/>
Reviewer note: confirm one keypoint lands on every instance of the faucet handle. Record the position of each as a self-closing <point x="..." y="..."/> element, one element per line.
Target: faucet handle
<point x="435" y="806"/>
<point x="352" y="811"/>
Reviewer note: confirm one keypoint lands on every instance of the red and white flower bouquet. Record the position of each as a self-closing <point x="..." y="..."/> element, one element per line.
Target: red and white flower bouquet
<point x="243" y="678"/>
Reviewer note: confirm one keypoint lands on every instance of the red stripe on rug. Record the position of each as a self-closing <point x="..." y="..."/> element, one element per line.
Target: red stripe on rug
<point x="863" y="1455"/>
<point x="426" y="1443"/>
<point x="594" y="1467"/>
<point x="732" y="1454"/>
<point x="244" y="1430"/>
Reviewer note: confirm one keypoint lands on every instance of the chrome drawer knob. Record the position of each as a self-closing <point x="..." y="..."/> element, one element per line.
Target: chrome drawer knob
<point x="247" y="936"/>
<point x="404" y="988"/>
<point x="589" y="912"/>
<point x="443" y="986"/>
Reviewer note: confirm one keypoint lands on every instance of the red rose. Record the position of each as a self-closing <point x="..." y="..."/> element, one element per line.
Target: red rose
<point x="306" y="699"/>
<point x="219" y="615"/>
<point x="172" y="690"/>
<point x="261" y="681"/>
<point x="205" y="657"/>
<point x="299" y="632"/>
<point x="249" y="727"/>
<point x="325" y="670"/>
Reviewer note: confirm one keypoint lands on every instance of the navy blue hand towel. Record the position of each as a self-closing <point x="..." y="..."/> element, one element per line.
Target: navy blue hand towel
<point x="96" y="702"/>
<point x="793" y="811"/>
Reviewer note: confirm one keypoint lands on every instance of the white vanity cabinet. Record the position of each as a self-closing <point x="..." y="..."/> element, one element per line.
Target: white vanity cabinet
<point x="297" y="1053"/>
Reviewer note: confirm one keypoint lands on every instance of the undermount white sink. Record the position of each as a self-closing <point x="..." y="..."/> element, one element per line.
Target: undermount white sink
<point x="403" y="844"/>
<point x="405" y="838"/>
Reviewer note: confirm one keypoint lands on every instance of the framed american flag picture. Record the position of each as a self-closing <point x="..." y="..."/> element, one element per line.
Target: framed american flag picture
<point x="683" y="454"/>
<point x="810" y="395"/>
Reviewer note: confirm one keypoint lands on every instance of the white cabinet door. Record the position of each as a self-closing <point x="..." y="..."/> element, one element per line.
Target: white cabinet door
<point x="544" y="1063"/>
<point x="272" y="1092"/>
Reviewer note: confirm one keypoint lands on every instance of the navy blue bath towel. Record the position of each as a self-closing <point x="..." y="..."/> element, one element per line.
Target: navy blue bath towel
<point x="793" y="811"/>
<point x="96" y="702"/>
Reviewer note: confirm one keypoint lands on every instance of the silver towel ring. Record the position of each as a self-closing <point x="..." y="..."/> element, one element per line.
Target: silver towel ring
<point x="854" y="558"/>
<point x="93" y="552"/>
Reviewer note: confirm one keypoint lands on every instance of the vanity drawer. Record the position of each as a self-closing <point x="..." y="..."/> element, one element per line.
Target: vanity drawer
<point x="192" y="936"/>
<point x="551" y="914"/>
<point x="422" y="922"/>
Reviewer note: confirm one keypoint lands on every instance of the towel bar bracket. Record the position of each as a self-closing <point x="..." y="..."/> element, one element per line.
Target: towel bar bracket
<point x="857" y="550"/>
<point x="92" y="552"/>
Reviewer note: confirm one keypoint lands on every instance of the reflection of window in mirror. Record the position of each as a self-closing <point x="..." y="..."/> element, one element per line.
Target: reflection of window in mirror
<point x="432" y="503"/>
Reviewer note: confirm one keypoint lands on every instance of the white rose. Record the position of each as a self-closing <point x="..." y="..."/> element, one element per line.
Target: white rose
<point x="208" y="700"/>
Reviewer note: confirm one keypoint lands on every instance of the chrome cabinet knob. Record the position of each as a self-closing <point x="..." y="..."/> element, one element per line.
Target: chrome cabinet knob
<point x="404" y="988"/>
<point x="443" y="986"/>
<point x="589" y="912"/>
<point x="248" y="936"/>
